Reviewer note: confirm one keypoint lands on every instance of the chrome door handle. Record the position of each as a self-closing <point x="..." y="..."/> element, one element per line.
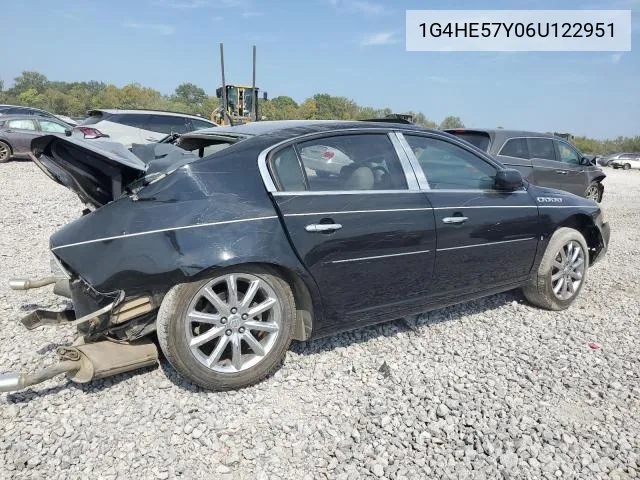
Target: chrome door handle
<point x="323" y="227"/>
<point x="562" y="172"/>
<point x="454" y="220"/>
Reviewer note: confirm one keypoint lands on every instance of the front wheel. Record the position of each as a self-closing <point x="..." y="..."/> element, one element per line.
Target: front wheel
<point x="594" y="192"/>
<point x="230" y="331"/>
<point x="561" y="273"/>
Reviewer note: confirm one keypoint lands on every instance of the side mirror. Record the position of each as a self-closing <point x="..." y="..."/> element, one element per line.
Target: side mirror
<point x="67" y="132"/>
<point x="508" y="180"/>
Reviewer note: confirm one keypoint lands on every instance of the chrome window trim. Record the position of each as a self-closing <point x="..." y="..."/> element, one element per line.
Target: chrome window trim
<point x="270" y="185"/>
<point x="342" y="212"/>
<point x="413" y="161"/>
<point x="340" y="192"/>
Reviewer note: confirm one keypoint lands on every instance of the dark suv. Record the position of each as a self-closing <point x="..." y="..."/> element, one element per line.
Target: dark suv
<point x="543" y="159"/>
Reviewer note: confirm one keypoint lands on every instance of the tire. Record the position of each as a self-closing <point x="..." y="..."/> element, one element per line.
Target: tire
<point x="594" y="192"/>
<point x="539" y="290"/>
<point x="615" y="167"/>
<point x="627" y="166"/>
<point x="176" y="330"/>
<point x="5" y="152"/>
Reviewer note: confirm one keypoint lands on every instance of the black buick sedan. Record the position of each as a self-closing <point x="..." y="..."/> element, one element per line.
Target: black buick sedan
<point x="229" y="245"/>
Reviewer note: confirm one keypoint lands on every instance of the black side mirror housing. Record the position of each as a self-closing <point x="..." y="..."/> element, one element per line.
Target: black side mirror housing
<point x="67" y="132"/>
<point x="509" y="179"/>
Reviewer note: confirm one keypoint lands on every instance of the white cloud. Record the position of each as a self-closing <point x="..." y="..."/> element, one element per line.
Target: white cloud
<point x="382" y="38"/>
<point x="369" y="8"/>
<point x="156" y="27"/>
<point x="616" y="57"/>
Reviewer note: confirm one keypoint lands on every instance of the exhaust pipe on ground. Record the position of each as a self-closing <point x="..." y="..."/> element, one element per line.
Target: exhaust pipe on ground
<point x="86" y="362"/>
<point x="29" y="283"/>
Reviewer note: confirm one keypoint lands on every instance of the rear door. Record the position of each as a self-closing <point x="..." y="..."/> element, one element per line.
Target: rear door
<point x="485" y="238"/>
<point x="570" y="169"/>
<point x="548" y="169"/>
<point x="366" y="234"/>
<point x="514" y="153"/>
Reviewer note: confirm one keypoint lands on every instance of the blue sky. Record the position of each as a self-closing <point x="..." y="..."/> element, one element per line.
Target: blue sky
<point x="353" y="48"/>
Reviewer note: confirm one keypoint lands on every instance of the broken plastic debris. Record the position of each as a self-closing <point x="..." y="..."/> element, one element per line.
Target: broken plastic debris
<point x="594" y="346"/>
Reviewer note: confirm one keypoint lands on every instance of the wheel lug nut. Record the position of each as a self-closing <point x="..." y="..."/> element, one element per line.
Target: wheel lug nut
<point x="241" y="330"/>
<point x="234" y="310"/>
<point x="228" y="332"/>
<point x="223" y="320"/>
<point x="245" y="316"/>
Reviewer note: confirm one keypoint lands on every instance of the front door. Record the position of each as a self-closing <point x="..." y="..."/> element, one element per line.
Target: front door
<point x="363" y="230"/>
<point x="485" y="238"/>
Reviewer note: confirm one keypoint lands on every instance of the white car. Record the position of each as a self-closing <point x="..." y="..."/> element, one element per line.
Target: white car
<point x="324" y="160"/>
<point x="137" y="126"/>
<point x="626" y="161"/>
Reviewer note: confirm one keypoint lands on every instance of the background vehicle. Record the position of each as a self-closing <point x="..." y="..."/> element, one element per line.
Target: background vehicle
<point x="137" y="126"/>
<point x="17" y="132"/>
<point x="230" y="259"/>
<point x="542" y="159"/>
<point x="626" y="161"/>
<point x="18" y="110"/>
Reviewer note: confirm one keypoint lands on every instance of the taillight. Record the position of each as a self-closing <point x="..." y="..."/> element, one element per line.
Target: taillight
<point x="91" y="132"/>
<point x="328" y="155"/>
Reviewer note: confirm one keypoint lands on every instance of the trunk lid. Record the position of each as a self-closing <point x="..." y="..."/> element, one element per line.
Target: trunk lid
<point x="97" y="171"/>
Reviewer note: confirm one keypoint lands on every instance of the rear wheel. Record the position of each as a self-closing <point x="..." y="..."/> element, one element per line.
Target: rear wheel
<point x="5" y="152"/>
<point x="561" y="273"/>
<point x="594" y="192"/>
<point x="227" y="332"/>
<point x="627" y="166"/>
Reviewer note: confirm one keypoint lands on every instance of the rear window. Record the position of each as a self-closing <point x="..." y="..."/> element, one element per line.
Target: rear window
<point x="477" y="139"/>
<point x="94" y="118"/>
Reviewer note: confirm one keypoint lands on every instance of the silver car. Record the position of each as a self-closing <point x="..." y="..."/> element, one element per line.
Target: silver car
<point x="626" y="161"/>
<point x="137" y="126"/>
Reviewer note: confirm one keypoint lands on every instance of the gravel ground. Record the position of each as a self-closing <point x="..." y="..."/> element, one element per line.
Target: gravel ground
<point x="491" y="388"/>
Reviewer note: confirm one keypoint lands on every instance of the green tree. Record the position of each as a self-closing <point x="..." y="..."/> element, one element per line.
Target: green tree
<point x="451" y="122"/>
<point x="189" y="93"/>
<point x="29" y="81"/>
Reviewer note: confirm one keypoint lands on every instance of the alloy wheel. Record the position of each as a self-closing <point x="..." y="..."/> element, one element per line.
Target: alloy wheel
<point x="233" y="322"/>
<point x="592" y="193"/>
<point x="568" y="270"/>
<point x="4" y="152"/>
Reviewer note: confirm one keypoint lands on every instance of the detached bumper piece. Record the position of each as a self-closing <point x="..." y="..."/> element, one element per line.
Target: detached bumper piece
<point x="86" y="362"/>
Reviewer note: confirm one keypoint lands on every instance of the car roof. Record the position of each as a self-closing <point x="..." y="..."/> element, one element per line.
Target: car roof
<point x="159" y="112"/>
<point x="502" y="132"/>
<point x="15" y="116"/>
<point x="293" y="128"/>
<point x="22" y="106"/>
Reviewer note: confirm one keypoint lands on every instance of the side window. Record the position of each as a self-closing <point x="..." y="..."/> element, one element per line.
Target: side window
<point x="48" y="126"/>
<point x="166" y="124"/>
<point x="136" y="120"/>
<point x="567" y="154"/>
<point x="541" y="148"/>
<point x="21" y="124"/>
<point x="448" y="166"/>
<point x="516" y="147"/>
<point x="200" y="124"/>
<point x="287" y="170"/>
<point x="352" y="162"/>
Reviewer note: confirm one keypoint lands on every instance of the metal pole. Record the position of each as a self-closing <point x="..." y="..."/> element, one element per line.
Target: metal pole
<point x="254" y="100"/>
<point x="224" y="87"/>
